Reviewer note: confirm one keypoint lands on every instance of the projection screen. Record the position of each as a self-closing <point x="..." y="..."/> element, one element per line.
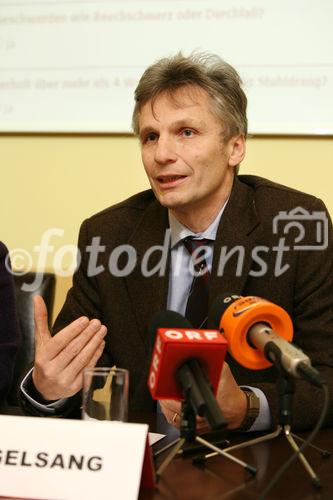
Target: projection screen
<point x="72" y="66"/>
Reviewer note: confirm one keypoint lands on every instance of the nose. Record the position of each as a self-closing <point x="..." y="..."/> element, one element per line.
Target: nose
<point x="165" y="151"/>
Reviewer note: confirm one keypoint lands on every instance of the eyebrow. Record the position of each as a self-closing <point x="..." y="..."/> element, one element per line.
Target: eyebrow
<point x="188" y="122"/>
<point x="147" y="130"/>
<point x="184" y="122"/>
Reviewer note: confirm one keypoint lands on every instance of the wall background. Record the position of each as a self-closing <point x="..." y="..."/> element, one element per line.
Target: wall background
<point x="57" y="181"/>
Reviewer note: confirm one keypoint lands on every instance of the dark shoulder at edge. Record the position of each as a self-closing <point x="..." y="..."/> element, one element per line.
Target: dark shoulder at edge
<point x="264" y="186"/>
<point x="3" y="250"/>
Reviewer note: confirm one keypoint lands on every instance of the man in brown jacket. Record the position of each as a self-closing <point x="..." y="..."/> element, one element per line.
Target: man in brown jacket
<point x="190" y="116"/>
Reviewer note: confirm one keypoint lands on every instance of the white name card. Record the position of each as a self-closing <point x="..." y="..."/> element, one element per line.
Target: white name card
<point x="55" y="459"/>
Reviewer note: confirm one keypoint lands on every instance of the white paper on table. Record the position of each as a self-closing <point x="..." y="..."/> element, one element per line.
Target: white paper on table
<point x="70" y="459"/>
<point x="154" y="437"/>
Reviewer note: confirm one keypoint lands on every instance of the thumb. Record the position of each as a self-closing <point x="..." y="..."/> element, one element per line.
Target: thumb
<point x="42" y="332"/>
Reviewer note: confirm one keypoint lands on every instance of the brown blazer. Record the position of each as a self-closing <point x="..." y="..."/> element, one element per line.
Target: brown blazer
<point x="126" y="304"/>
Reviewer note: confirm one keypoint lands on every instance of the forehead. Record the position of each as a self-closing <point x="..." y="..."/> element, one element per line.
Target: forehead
<point x="188" y="101"/>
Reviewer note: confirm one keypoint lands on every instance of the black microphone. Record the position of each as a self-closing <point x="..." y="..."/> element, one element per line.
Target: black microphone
<point x="259" y="333"/>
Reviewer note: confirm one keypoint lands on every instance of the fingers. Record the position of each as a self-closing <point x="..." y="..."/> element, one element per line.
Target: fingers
<point x="73" y="342"/>
<point x="42" y="333"/>
<point x="202" y="425"/>
<point x="170" y="405"/>
<point x="97" y="354"/>
<point x="78" y="382"/>
<point x="171" y="410"/>
<point x="60" y="360"/>
<point x="87" y="353"/>
<point x="228" y="397"/>
<point x="70" y="332"/>
<point x="54" y="381"/>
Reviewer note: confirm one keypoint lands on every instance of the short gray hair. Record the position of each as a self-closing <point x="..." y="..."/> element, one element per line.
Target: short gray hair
<point x="207" y="71"/>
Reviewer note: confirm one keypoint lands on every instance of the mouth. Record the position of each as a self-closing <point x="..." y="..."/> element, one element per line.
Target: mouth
<point x="170" y="180"/>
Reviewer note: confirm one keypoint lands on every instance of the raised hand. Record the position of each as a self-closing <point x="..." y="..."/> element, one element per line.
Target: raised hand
<point x="60" y="360"/>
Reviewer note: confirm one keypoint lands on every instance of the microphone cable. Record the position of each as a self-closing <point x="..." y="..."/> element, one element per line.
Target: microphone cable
<point x="308" y="441"/>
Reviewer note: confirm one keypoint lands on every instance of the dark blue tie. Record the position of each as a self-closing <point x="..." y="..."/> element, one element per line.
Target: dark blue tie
<point x="197" y="302"/>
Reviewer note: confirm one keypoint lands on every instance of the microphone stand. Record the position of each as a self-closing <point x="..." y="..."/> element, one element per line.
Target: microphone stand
<point x="285" y="389"/>
<point x="198" y="400"/>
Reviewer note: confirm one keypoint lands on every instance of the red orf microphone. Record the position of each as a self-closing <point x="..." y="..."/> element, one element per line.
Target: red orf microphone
<point x="187" y="363"/>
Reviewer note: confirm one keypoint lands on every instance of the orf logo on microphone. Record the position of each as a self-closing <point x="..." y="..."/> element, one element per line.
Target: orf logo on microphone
<point x="155" y="364"/>
<point x="199" y="335"/>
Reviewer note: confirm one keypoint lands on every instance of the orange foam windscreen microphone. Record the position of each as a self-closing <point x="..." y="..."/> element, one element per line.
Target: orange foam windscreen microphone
<point x="259" y="333"/>
<point x="177" y="342"/>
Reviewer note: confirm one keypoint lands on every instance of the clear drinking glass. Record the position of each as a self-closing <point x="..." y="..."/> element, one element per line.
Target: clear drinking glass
<point x="105" y="394"/>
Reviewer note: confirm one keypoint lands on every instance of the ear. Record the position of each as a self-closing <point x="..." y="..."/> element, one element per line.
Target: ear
<point x="237" y="150"/>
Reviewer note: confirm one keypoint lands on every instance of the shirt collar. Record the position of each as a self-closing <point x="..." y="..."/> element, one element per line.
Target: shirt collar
<point x="179" y="231"/>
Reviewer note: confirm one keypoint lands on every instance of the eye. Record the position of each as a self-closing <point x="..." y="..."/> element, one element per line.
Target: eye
<point x="150" y="137"/>
<point x="187" y="132"/>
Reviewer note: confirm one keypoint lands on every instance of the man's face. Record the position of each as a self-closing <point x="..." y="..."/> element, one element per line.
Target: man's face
<point x="189" y="167"/>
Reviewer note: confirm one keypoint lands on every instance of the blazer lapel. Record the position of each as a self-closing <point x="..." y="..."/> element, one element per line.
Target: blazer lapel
<point x="238" y="232"/>
<point x="148" y="293"/>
